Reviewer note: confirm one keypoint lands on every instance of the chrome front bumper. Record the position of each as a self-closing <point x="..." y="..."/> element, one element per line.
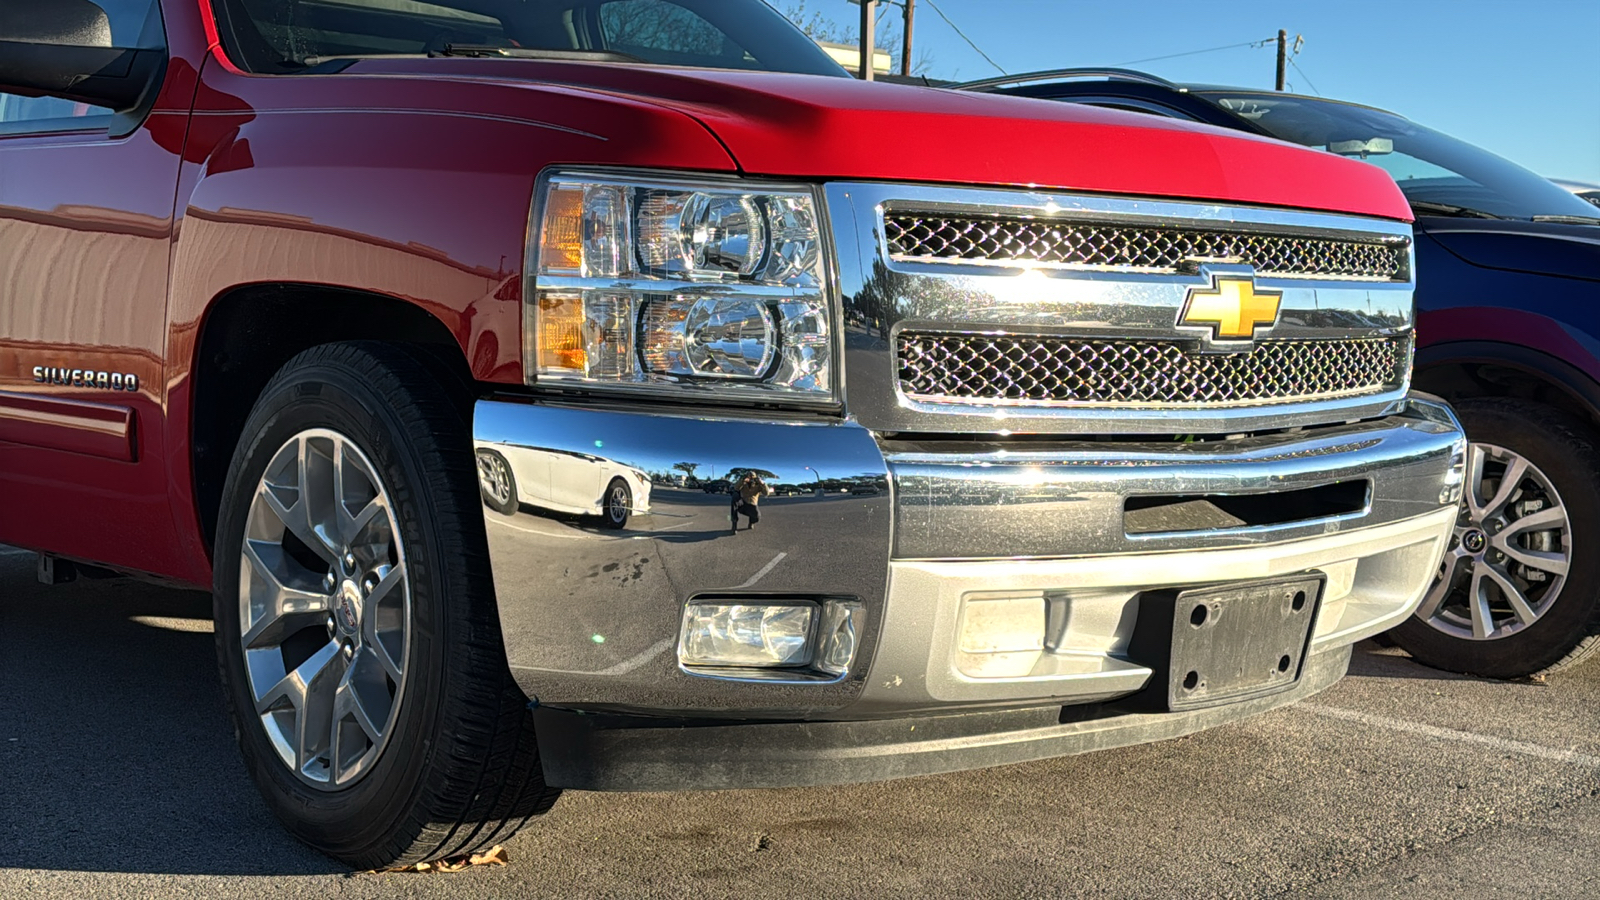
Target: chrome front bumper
<point x="916" y="533"/>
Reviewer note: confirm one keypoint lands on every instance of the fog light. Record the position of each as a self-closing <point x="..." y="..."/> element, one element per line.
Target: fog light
<point x="836" y="641"/>
<point x="746" y="634"/>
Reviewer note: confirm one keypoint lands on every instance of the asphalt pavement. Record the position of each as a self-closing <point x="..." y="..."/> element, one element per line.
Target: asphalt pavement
<point x="119" y="778"/>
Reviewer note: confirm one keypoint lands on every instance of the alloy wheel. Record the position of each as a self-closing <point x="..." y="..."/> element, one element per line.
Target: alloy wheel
<point x="617" y="502"/>
<point x="324" y="609"/>
<point x="493" y="478"/>
<point x="1510" y="554"/>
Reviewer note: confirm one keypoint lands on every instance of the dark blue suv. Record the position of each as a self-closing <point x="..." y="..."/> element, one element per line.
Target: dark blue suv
<point x="1508" y="298"/>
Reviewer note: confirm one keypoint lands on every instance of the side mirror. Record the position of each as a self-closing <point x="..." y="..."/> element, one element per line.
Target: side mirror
<point x="62" y="48"/>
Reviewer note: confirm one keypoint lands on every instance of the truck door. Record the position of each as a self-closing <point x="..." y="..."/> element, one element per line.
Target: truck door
<point x="86" y="196"/>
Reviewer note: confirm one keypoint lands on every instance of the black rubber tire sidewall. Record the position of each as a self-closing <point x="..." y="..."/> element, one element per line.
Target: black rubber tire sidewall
<point x="1563" y="448"/>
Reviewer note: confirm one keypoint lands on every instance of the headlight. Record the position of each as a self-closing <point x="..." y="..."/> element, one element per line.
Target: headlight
<point x="717" y="287"/>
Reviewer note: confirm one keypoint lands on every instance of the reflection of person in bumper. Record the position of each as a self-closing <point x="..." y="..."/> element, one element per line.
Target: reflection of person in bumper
<point x="747" y="493"/>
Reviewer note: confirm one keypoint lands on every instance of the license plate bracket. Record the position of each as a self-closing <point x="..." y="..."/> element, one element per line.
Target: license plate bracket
<point x="1226" y="643"/>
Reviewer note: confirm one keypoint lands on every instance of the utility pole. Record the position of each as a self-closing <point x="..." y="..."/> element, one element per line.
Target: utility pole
<point x="869" y="18"/>
<point x="1283" y="55"/>
<point x="905" y="51"/>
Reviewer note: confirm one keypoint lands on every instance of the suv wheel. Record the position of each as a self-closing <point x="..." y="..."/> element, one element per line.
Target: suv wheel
<point x="357" y="633"/>
<point x="1517" y="595"/>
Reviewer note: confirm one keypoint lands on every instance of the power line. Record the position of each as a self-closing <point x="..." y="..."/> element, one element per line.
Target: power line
<point x="965" y="38"/>
<point x="1305" y="76"/>
<point x="1258" y="44"/>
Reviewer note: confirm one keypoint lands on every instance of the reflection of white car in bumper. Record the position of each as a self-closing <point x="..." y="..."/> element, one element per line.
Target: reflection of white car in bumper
<point x="578" y="483"/>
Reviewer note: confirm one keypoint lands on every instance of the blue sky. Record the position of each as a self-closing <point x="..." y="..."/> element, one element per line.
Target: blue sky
<point x="1519" y="78"/>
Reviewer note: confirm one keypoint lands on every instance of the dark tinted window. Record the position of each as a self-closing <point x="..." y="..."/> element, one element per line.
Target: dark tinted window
<point x="1431" y="167"/>
<point x="286" y="36"/>
<point x="656" y="26"/>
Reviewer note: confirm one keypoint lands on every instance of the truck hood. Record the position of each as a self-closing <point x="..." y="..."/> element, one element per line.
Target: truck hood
<point x="817" y="128"/>
<point x="1515" y="245"/>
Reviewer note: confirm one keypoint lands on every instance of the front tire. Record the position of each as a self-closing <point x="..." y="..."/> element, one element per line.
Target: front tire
<point x="496" y="482"/>
<point x="1519" y="589"/>
<point x="617" y="504"/>
<point x="352" y="586"/>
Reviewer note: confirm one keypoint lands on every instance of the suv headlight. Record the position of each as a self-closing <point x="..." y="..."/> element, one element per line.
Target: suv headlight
<point x="683" y="285"/>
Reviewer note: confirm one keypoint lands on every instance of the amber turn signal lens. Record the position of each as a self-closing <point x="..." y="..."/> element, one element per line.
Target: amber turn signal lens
<point x="561" y="236"/>
<point x="561" y="333"/>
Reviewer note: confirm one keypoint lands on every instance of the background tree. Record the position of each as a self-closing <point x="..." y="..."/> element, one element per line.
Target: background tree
<point x="888" y="34"/>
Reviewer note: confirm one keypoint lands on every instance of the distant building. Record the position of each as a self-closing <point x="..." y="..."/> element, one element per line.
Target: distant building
<point x="849" y="56"/>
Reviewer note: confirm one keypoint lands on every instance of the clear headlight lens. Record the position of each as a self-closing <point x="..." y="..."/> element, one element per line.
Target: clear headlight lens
<point x="710" y="287"/>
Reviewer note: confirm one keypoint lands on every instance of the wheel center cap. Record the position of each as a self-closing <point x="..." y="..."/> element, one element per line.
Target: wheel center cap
<point x="1474" y="540"/>
<point x="347" y="607"/>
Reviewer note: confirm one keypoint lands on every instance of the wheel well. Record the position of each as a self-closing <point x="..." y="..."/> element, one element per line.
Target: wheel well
<point x="251" y="332"/>
<point x="1458" y="380"/>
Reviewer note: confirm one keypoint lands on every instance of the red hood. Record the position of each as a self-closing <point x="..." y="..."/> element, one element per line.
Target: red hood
<point x="804" y="126"/>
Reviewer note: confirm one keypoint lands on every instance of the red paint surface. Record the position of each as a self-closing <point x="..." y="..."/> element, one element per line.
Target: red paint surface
<point x="412" y="179"/>
<point x="72" y="426"/>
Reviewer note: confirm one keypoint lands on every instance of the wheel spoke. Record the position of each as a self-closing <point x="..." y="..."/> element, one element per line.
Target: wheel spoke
<point x="1476" y="455"/>
<point x="341" y="515"/>
<point x="292" y="687"/>
<point x="380" y="652"/>
<point x="314" y="724"/>
<point x="1442" y="586"/>
<point x="376" y="617"/>
<point x="318" y="496"/>
<point x="358" y="523"/>
<point x="392" y="576"/>
<point x="1512" y="593"/>
<point x="1478" y="604"/>
<point x="348" y="703"/>
<point x="1509" y="483"/>
<point x="284" y="608"/>
<point x="296" y="520"/>
<point x="1543" y="520"/>
<point x="1554" y="563"/>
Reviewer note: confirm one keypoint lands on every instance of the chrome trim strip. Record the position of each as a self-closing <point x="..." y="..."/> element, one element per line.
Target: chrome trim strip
<point x="994" y="502"/>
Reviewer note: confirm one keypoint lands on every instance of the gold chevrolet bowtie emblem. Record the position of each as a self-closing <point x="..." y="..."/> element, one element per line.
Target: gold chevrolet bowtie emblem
<point x="1232" y="307"/>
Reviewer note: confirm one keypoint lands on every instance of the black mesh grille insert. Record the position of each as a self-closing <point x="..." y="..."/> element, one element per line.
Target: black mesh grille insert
<point x="1038" y="370"/>
<point x="1144" y="247"/>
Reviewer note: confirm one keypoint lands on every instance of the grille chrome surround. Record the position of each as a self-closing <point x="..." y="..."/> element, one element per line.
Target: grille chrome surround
<point x="1030" y="370"/>
<point x="1138" y="247"/>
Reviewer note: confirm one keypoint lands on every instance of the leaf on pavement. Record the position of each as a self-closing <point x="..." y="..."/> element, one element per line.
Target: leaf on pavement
<point x="494" y="856"/>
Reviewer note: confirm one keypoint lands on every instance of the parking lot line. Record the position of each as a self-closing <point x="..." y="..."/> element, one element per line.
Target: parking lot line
<point x="1451" y="734"/>
<point x="764" y="570"/>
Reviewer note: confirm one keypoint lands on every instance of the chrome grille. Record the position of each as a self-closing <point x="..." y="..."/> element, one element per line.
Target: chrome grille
<point x="1029" y="370"/>
<point x="1150" y="248"/>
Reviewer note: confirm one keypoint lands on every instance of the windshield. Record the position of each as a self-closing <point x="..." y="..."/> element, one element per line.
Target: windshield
<point x="286" y="36"/>
<point x="1438" y="173"/>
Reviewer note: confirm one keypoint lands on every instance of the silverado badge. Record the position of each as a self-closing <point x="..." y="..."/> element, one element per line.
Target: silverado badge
<point x="1231" y="309"/>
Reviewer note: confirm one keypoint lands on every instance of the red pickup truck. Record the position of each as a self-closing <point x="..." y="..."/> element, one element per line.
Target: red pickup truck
<point x="612" y="394"/>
